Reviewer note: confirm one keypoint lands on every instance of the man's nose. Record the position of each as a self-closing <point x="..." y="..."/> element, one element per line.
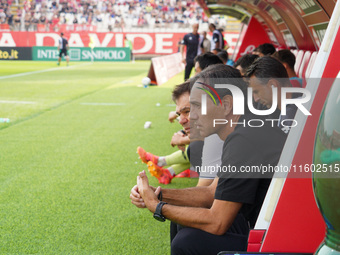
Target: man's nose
<point x="256" y="98"/>
<point x="183" y="120"/>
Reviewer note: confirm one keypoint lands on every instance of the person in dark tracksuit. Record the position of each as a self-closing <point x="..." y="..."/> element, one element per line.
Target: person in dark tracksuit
<point x="193" y="42"/>
<point x="63" y="48"/>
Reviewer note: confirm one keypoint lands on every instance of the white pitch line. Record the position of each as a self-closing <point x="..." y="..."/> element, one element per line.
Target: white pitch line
<point x="105" y="104"/>
<point x="16" y="102"/>
<point x="42" y="71"/>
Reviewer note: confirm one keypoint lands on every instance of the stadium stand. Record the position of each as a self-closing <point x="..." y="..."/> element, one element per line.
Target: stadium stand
<point x="106" y="16"/>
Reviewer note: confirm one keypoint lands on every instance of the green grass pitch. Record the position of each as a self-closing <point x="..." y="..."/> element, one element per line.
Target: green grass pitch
<point x="68" y="157"/>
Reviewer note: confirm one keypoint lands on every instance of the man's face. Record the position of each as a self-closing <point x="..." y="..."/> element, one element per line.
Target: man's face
<point x="195" y="28"/>
<point x="261" y="92"/>
<point x="204" y="123"/>
<point x="197" y="68"/>
<point x="183" y="110"/>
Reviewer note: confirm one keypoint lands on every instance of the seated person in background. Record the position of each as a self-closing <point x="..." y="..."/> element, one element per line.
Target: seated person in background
<point x="166" y="168"/>
<point x="217" y="217"/>
<point x="244" y="62"/>
<point x="223" y="55"/>
<point x="287" y="58"/>
<point x="204" y="60"/>
<point x="264" y="74"/>
<point x="265" y="49"/>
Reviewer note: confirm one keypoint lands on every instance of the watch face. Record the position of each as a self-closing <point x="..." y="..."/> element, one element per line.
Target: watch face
<point x="159" y="217"/>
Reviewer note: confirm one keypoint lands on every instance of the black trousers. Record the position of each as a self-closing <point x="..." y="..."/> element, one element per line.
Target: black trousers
<point x="174" y="229"/>
<point x="188" y="68"/>
<point x="194" y="241"/>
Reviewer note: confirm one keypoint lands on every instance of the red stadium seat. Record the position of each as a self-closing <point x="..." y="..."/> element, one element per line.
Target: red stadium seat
<point x="304" y="64"/>
<point x="298" y="60"/>
<point x="311" y="64"/>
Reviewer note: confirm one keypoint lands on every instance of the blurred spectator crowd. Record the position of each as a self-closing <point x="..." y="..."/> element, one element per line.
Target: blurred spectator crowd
<point x="104" y="15"/>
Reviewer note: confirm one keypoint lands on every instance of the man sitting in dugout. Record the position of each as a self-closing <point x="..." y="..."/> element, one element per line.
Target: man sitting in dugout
<point x="217" y="217"/>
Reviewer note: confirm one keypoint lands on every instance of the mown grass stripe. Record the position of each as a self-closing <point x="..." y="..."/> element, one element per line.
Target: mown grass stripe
<point x="16" y="102"/>
<point x="42" y="71"/>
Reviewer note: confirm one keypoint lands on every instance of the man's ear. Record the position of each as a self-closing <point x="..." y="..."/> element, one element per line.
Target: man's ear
<point x="285" y="65"/>
<point x="273" y="82"/>
<point x="227" y="103"/>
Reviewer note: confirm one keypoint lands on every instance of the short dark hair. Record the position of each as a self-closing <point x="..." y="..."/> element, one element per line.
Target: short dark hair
<point x="266" y="48"/>
<point x="207" y="59"/>
<point x="223" y="55"/>
<point x="267" y="68"/>
<point x="180" y="89"/>
<point x="212" y="25"/>
<point x="61" y="34"/>
<point x="220" y="74"/>
<point x="245" y="61"/>
<point x="285" y="56"/>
